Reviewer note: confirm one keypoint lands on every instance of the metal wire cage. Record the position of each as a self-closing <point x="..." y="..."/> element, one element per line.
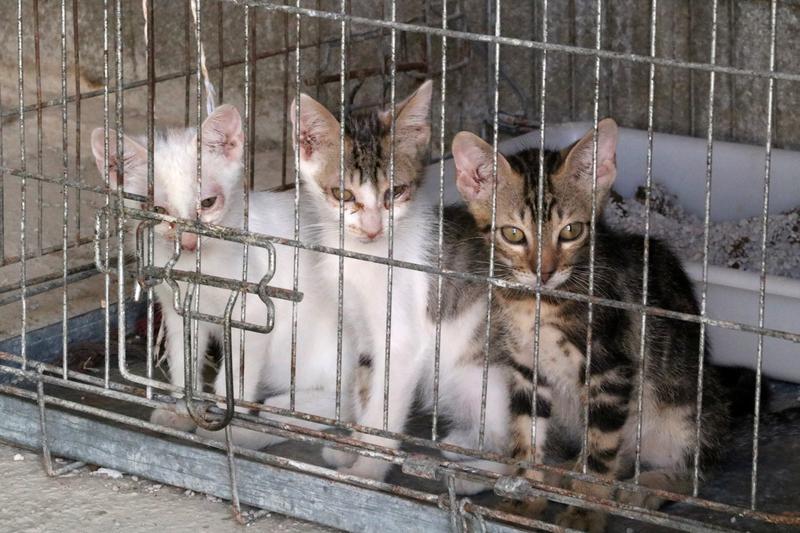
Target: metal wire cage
<point x="80" y="359"/>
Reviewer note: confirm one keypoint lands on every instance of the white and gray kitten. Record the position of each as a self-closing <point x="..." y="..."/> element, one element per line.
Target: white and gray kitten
<point x="367" y="199"/>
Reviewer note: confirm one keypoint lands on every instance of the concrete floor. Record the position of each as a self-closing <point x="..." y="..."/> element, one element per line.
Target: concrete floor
<point x="92" y="501"/>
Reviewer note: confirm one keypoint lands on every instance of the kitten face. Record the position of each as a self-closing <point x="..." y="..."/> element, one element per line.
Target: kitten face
<point x="567" y="202"/>
<point x="367" y="148"/>
<point x="175" y="171"/>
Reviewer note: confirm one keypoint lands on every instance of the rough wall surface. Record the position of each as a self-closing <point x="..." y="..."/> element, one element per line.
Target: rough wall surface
<point x="681" y="97"/>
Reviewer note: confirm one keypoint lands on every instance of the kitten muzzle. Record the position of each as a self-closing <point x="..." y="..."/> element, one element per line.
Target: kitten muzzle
<point x="189" y="241"/>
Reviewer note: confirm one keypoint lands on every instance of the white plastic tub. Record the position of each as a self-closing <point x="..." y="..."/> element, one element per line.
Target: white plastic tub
<point x="736" y="192"/>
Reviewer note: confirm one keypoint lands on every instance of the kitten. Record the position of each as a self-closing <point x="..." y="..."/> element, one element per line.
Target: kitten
<point x="267" y="356"/>
<point x="367" y="202"/>
<point x="671" y="346"/>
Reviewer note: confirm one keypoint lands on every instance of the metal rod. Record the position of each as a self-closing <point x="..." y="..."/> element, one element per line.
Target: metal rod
<point x="440" y="238"/>
<point x="150" y="134"/>
<point x="706" y="225"/>
<point x="592" y="236"/>
<point x="296" y="229"/>
<point x="490" y="288"/>
<point x="537" y="322"/>
<point x="76" y="50"/>
<point x="340" y="292"/>
<point x="646" y="253"/>
<point x="390" y="225"/>
<point x="39" y="126"/>
<point x="23" y="188"/>
<point x="762" y="287"/>
<point x="64" y="193"/>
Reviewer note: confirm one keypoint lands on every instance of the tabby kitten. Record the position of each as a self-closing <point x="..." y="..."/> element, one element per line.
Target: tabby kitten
<point x="671" y="358"/>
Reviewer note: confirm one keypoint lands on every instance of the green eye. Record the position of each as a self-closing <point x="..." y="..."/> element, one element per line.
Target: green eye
<point x="513" y="234"/>
<point x="208" y="202"/>
<point x="570" y="232"/>
<point x="347" y="196"/>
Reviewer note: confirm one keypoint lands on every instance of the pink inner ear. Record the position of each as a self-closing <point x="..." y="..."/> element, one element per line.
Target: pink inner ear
<point x="232" y="144"/>
<point x="470" y="183"/>
<point x="606" y="172"/>
<point x="307" y="143"/>
<point x="228" y="145"/>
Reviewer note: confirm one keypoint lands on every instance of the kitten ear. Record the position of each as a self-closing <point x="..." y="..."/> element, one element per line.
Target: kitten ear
<point x="317" y="131"/>
<point x="413" y="123"/>
<point x="579" y="159"/>
<point x="222" y="133"/>
<point x="134" y="159"/>
<point x="473" y="159"/>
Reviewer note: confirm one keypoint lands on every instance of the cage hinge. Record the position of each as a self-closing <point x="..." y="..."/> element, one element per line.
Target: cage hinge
<point x="422" y="466"/>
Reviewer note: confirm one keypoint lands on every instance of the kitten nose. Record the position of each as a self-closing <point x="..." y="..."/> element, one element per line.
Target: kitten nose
<point x="546" y="274"/>
<point x="371" y="235"/>
<point x="189" y="241"/>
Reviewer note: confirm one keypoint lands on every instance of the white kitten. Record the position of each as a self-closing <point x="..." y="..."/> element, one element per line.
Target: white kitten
<point x="367" y="199"/>
<point x="267" y="356"/>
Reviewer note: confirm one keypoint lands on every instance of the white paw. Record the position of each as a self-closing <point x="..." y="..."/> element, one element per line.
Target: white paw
<point x="646" y="500"/>
<point x="469" y="488"/>
<point x="338" y="458"/>
<point x="582" y="519"/>
<point x="462" y="439"/>
<point x="171" y="419"/>
<point x="365" y="467"/>
<point x="246" y="438"/>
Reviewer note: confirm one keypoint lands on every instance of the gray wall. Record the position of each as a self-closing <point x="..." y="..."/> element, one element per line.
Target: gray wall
<point x="680" y="101"/>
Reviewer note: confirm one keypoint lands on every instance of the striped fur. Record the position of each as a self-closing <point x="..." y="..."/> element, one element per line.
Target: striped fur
<point x="670" y="347"/>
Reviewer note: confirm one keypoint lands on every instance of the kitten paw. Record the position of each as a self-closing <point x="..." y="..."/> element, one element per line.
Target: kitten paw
<point x="470" y="488"/>
<point x="367" y="468"/>
<point x="528" y="508"/>
<point x="246" y="438"/>
<point x="582" y="519"/>
<point x="645" y="500"/>
<point x="171" y="419"/>
<point x="338" y="458"/>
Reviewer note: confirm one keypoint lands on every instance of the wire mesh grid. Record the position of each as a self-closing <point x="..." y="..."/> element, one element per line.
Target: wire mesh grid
<point x="434" y="40"/>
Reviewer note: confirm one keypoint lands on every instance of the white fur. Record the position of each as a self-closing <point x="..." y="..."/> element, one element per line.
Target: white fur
<point x="365" y="223"/>
<point x="267" y="356"/>
<point x="412" y="348"/>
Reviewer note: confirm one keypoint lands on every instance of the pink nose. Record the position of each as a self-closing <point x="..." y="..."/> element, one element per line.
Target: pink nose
<point x="372" y="235"/>
<point x="189" y="241"/>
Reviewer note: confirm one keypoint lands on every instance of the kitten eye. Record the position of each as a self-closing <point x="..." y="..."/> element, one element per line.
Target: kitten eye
<point x="513" y="234"/>
<point x="159" y="210"/>
<point x="570" y="232"/>
<point x="208" y="202"/>
<point x="337" y="193"/>
<point x="399" y="190"/>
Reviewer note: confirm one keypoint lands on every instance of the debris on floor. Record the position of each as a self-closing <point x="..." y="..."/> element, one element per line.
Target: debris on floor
<point x="107" y="472"/>
<point x="733" y="243"/>
<point x="91" y="503"/>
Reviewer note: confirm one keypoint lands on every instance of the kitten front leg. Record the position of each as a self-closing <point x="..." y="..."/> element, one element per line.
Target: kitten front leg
<point x="524" y="450"/>
<point x="174" y="347"/>
<point x="402" y="384"/>
<point x="463" y="403"/>
<point x="609" y="398"/>
<point x="255" y="358"/>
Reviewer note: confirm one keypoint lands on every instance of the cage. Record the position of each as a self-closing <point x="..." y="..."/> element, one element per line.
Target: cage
<point x="711" y="120"/>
